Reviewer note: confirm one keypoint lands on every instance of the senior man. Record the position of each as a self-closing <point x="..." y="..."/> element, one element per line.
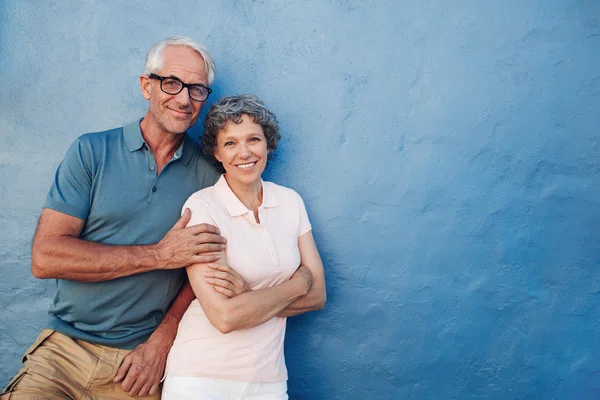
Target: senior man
<point x="111" y="234"/>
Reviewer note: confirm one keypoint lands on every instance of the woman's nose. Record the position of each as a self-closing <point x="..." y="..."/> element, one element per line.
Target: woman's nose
<point x="244" y="151"/>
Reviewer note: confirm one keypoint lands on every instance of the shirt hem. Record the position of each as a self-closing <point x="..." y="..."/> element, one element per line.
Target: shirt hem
<point x="237" y="378"/>
<point x="67" y="329"/>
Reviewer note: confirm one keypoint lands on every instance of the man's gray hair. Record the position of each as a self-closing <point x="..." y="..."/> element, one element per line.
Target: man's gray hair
<point x="154" y="58"/>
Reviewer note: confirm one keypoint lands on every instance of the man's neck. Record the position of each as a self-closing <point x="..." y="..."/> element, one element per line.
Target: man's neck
<point x="162" y="144"/>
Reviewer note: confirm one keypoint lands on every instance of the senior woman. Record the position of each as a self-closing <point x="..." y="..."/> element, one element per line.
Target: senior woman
<point x="231" y="346"/>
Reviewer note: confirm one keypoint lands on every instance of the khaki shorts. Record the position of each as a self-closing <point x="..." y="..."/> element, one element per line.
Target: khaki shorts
<point x="59" y="367"/>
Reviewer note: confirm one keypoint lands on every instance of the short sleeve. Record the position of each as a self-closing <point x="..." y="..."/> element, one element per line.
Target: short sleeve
<point x="201" y="214"/>
<point x="304" y="225"/>
<point x="71" y="190"/>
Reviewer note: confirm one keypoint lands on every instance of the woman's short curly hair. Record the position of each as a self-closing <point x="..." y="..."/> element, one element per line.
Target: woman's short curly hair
<point x="232" y="108"/>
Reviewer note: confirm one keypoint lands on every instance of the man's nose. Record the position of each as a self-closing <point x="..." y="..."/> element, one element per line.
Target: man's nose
<point x="183" y="97"/>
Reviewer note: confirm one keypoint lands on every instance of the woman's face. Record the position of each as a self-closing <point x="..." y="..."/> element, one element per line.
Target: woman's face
<point x="242" y="149"/>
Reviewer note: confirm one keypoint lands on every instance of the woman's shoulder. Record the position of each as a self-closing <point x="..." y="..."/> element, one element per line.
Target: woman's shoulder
<point x="281" y="193"/>
<point x="204" y="206"/>
<point x="204" y="196"/>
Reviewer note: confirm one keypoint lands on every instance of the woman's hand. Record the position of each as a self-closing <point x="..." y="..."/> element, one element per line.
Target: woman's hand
<point x="304" y="275"/>
<point x="316" y="297"/>
<point x="225" y="280"/>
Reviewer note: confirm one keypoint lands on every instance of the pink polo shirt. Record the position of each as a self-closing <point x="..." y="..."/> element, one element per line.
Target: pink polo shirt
<point x="266" y="255"/>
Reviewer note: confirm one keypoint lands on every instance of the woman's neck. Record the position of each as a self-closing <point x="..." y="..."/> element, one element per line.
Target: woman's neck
<point x="251" y="195"/>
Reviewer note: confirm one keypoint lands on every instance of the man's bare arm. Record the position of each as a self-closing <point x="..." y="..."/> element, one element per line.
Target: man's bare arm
<point x="142" y="369"/>
<point x="58" y="252"/>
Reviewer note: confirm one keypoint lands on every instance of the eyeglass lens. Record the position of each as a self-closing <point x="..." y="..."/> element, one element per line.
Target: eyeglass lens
<point x="173" y="86"/>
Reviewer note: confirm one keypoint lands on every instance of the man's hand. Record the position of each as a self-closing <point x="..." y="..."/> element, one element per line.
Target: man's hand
<point x="225" y="279"/>
<point x="183" y="246"/>
<point x="143" y="368"/>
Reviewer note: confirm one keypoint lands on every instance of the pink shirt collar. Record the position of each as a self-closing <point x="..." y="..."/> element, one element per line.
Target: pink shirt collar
<point x="233" y="205"/>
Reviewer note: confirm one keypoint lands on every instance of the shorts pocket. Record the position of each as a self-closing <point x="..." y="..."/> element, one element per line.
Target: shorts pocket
<point x="15" y="381"/>
<point x="46" y="333"/>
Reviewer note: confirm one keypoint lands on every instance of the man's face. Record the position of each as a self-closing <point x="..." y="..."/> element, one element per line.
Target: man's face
<point x="175" y="113"/>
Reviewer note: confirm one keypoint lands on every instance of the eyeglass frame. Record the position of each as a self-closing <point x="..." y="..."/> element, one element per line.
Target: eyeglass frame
<point x="183" y="85"/>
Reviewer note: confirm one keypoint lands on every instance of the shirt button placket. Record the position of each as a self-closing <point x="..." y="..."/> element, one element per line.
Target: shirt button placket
<point x="151" y="173"/>
<point x="272" y="249"/>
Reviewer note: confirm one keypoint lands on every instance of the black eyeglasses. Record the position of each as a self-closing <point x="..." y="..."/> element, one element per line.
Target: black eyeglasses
<point x="172" y="85"/>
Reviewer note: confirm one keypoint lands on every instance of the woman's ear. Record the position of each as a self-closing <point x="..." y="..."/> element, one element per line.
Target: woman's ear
<point x="216" y="154"/>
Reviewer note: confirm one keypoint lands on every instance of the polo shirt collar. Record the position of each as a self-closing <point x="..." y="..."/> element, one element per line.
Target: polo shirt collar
<point x="135" y="141"/>
<point x="187" y="149"/>
<point x="233" y="205"/>
<point x="133" y="136"/>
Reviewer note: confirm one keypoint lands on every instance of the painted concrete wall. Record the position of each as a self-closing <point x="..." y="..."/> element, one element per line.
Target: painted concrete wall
<point x="448" y="153"/>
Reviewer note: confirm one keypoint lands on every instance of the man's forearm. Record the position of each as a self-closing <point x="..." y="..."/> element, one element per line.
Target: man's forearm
<point x="143" y="368"/>
<point x="58" y="251"/>
<point x="79" y="260"/>
<point x="167" y="329"/>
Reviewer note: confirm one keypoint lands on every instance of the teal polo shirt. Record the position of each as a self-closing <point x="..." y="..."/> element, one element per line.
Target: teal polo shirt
<point x="108" y="179"/>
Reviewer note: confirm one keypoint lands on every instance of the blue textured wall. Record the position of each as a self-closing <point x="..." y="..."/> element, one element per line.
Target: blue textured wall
<point x="448" y="153"/>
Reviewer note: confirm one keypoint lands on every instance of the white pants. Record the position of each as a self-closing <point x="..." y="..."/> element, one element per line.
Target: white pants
<point x="195" y="388"/>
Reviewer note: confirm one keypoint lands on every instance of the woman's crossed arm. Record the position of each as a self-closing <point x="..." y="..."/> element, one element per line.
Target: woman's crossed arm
<point x="315" y="298"/>
<point x="248" y="309"/>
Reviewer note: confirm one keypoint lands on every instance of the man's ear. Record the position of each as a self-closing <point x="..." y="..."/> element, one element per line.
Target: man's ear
<point x="145" y="83"/>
